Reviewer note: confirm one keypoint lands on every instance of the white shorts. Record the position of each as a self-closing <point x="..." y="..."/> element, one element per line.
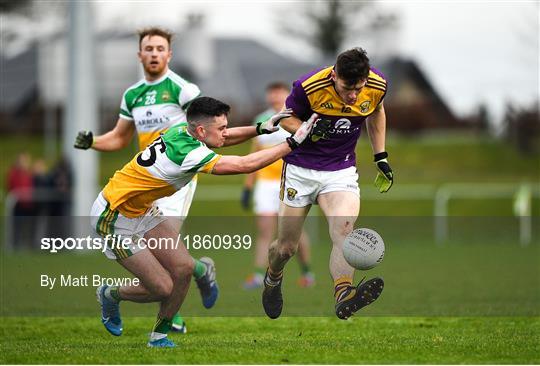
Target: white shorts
<point x="178" y="204"/>
<point x="106" y="223"/>
<point x="266" y="196"/>
<point x="300" y="187"/>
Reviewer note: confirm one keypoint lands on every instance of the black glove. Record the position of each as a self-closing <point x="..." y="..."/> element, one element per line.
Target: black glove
<point x="246" y="198"/>
<point x="84" y="140"/>
<point x="320" y="129"/>
<point x="385" y="176"/>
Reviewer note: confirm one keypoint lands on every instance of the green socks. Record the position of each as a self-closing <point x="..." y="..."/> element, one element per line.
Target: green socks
<point x="200" y="269"/>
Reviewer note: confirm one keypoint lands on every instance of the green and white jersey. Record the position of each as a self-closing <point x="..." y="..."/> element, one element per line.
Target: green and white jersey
<point x="156" y="106"/>
<point x="164" y="167"/>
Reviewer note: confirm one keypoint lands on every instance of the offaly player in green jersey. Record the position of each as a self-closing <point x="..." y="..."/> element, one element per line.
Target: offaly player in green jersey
<point x="150" y="107"/>
<point x="126" y="208"/>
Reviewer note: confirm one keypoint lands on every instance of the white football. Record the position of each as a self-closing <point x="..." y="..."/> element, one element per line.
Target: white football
<point x="363" y="248"/>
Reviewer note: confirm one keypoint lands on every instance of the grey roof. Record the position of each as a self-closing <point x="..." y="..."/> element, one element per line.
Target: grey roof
<point x="243" y="69"/>
<point x="18" y="79"/>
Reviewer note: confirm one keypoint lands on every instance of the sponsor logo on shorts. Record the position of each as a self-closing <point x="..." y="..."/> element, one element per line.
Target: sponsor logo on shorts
<point x="291" y="193"/>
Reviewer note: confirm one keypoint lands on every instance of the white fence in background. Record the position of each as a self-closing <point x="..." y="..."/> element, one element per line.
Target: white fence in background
<point x="520" y="194"/>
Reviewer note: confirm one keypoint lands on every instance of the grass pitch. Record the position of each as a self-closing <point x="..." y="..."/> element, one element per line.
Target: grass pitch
<point x="474" y="303"/>
<point x="287" y="340"/>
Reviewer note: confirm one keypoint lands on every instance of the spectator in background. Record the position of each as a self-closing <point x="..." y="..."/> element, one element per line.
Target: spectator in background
<point x="20" y="185"/>
<point x="41" y="183"/>
<point x="60" y="180"/>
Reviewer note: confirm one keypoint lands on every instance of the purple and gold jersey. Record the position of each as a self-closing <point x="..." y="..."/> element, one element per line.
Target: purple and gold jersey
<point x="315" y="93"/>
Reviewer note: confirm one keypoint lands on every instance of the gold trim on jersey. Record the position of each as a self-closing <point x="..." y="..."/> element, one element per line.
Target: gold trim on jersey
<point x="324" y="99"/>
<point x="282" y="183"/>
<point x="133" y="189"/>
<point x="210" y="165"/>
<point x="145" y="138"/>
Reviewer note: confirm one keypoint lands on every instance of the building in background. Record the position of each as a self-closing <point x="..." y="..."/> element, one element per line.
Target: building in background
<point x="34" y="83"/>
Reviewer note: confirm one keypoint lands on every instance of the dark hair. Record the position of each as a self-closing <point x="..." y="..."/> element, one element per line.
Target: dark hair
<point x="155" y="31"/>
<point x="278" y="85"/>
<point x="203" y="108"/>
<point x="352" y="65"/>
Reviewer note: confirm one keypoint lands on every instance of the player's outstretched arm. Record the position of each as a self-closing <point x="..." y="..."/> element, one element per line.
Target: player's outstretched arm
<point x="237" y="135"/>
<point x="116" y="139"/>
<point x="230" y="164"/>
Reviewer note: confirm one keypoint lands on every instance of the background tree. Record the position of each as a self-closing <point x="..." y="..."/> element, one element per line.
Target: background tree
<point x="327" y="25"/>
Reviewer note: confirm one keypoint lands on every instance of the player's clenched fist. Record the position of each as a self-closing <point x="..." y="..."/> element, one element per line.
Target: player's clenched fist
<point x="84" y="140"/>
<point x="303" y="132"/>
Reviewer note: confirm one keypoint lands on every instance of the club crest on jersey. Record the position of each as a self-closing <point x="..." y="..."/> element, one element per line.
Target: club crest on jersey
<point x="165" y="96"/>
<point x="364" y="107"/>
<point x="291" y="193"/>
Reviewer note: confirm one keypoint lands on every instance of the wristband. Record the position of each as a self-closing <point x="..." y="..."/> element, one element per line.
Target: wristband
<point x="292" y="143"/>
<point x="380" y="156"/>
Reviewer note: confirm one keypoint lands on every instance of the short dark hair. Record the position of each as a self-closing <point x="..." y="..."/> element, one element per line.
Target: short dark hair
<point x="203" y="108"/>
<point x="155" y="31"/>
<point x="275" y="85"/>
<point x="352" y="65"/>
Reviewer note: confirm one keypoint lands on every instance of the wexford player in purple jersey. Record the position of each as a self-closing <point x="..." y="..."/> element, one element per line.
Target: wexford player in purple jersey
<point x="323" y="171"/>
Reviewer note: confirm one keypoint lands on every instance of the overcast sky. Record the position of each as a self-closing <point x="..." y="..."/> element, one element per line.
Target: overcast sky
<point x="473" y="52"/>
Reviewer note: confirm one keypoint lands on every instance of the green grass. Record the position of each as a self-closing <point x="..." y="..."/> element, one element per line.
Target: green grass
<point x="473" y="299"/>
<point x="467" y="301"/>
<point x="248" y="340"/>
<point x="488" y="276"/>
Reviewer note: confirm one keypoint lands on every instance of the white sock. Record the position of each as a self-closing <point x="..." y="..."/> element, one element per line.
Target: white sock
<point x="108" y="295"/>
<point x="154" y="336"/>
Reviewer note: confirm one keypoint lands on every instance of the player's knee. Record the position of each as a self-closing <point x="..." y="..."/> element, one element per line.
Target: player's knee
<point x="339" y="232"/>
<point x="183" y="271"/>
<point x="163" y="288"/>
<point x="287" y="251"/>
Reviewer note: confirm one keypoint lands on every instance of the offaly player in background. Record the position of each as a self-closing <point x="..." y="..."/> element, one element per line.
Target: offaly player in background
<point x="150" y="107"/>
<point x="323" y="171"/>
<point x="126" y="208"/>
<point x="266" y="196"/>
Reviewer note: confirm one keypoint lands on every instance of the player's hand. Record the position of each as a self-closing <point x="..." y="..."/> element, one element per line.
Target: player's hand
<point x="246" y="198"/>
<point x="320" y="129"/>
<point x="84" y="140"/>
<point x="385" y="176"/>
<point x="303" y="132"/>
<point x="271" y="125"/>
